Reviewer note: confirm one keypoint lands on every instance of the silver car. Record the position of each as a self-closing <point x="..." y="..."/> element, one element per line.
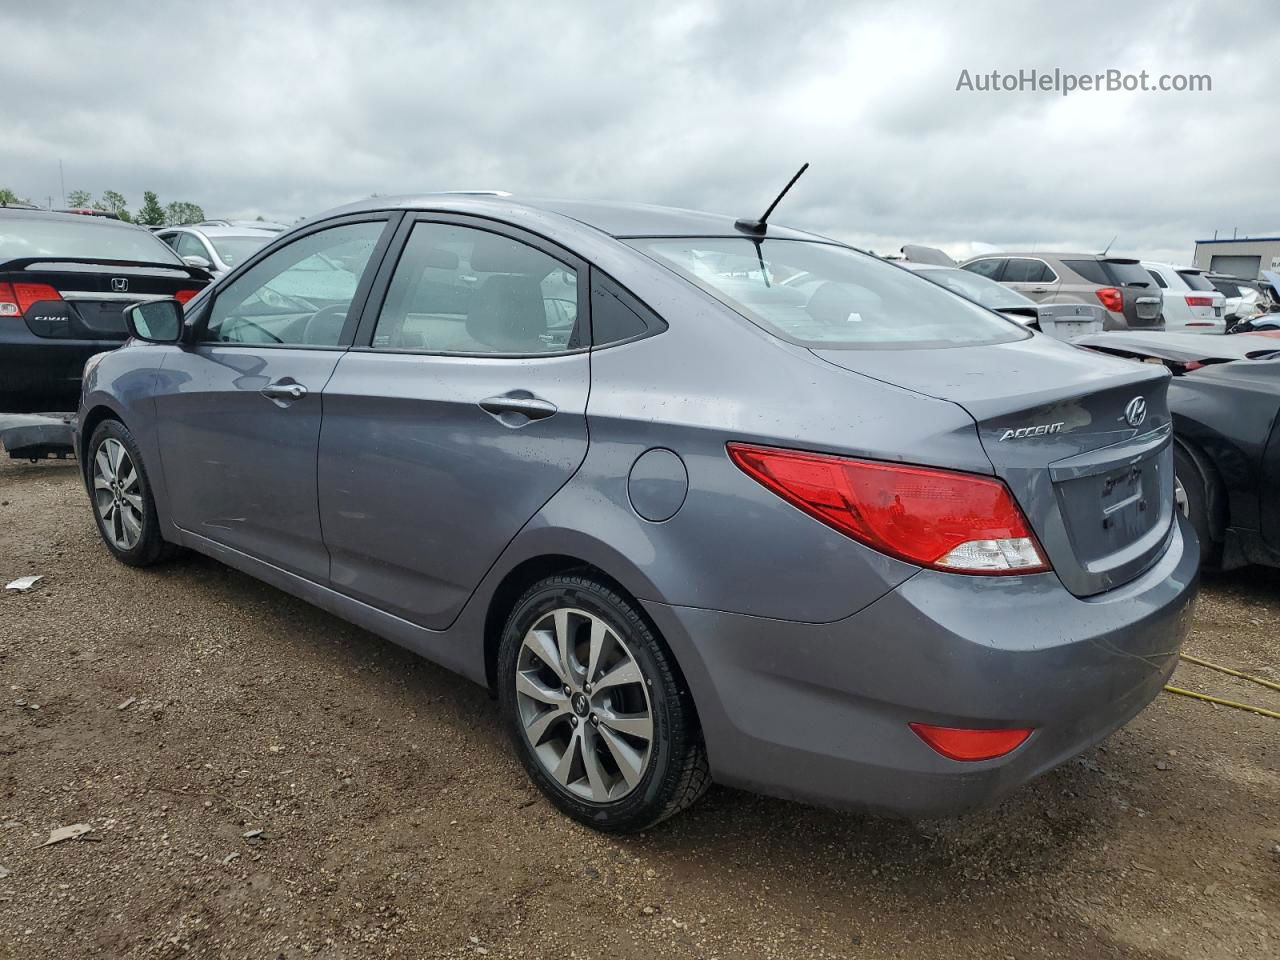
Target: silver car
<point x="866" y="544"/>
<point x="215" y="248"/>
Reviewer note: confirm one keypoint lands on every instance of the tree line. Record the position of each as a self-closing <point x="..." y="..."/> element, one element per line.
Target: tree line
<point x="152" y="213"/>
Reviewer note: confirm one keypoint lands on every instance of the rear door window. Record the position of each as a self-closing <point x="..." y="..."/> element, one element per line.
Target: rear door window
<point x="991" y="267"/>
<point x="1019" y="270"/>
<point x="189" y="245"/>
<point x="1158" y="277"/>
<point x="458" y="289"/>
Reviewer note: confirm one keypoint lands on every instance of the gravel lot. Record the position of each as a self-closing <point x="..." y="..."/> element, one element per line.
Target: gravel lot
<point x="395" y="822"/>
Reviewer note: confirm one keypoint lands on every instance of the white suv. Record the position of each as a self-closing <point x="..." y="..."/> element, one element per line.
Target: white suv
<point x="1191" y="304"/>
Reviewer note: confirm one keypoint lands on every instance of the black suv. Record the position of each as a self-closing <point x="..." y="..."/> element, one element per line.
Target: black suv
<point x="64" y="283"/>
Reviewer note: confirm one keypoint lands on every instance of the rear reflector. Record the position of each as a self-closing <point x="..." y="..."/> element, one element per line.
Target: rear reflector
<point x="1199" y="301"/>
<point x="955" y="743"/>
<point x="17" y="298"/>
<point x="1111" y="298"/>
<point x="958" y="522"/>
<point x="182" y="296"/>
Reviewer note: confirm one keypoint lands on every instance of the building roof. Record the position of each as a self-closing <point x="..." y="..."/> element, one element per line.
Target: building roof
<point x="1242" y="240"/>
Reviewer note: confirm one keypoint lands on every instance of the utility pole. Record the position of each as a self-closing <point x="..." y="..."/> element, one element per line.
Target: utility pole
<point x="62" y="182"/>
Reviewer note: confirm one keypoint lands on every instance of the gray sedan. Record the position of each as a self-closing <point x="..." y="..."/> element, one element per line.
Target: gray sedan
<point x="864" y="543"/>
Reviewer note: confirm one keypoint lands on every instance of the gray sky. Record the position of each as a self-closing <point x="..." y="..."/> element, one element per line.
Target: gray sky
<point x="285" y="110"/>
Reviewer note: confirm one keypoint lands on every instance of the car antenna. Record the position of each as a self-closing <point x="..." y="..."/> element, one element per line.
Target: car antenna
<point x="1108" y="246"/>
<point x="758" y="227"/>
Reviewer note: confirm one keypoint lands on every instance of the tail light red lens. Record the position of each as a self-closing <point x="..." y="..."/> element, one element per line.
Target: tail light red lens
<point x="16" y="298"/>
<point x="182" y="296"/>
<point x="1111" y="298"/>
<point x="955" y="743"/>
<point x="958" y="522"/>
<point x="1199" y="301"/>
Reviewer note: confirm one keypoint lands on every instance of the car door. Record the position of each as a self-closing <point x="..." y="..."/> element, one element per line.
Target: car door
<point x="1032" y="278"/>
<point x="239" y="410"/>
<point x="459" y="413"/>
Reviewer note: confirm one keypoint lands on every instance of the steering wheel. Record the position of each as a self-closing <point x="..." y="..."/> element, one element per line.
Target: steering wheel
<point x="323" y="322"/>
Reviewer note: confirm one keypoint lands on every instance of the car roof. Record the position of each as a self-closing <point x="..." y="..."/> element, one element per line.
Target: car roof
<point x="615" y="218"/>
<point x="104" y="223"/>
<point x="1043" y="254"/>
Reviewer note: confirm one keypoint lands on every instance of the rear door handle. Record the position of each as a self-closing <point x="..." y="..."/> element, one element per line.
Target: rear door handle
<point x="518" y="402"/>
<point x="284" y="389"/>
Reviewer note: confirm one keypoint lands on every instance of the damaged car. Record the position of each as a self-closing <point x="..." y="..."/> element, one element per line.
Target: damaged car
<point x="1224" y="399"/>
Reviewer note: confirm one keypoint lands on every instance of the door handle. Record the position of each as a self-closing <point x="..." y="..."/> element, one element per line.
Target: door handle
<point x="518" y="402"/>
<point x="1039" y="290"/>
<point x="284" y="390"/>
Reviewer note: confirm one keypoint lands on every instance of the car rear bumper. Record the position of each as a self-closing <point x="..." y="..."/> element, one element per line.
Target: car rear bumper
<point x="38" y="374"/>
<point x="820" y="712"/>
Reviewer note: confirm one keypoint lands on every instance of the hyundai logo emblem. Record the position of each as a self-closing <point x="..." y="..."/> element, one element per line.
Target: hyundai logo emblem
<point x="1135" y="411"/>
<point x="119" y="284"/>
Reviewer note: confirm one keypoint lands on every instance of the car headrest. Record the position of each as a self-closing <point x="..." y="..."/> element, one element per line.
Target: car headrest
<point x="496" y="254"/>
<point x="506" y="313"/>
<point x="324" y="328"/>
<point x="835" y="303"/>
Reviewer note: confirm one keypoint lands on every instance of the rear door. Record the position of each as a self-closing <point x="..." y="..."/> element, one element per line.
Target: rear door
<point x="458" y="414"/>
<point x="239" y="412"/>
<point x="1031" y="277"/>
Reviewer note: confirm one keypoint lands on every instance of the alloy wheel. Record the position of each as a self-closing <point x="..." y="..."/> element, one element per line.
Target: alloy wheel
<point x="117" y="494"/>
<point x="1180" y="497"/>
<point x="584" y="705"/>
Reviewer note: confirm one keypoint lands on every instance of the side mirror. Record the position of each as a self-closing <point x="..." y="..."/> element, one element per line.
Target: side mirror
<point x="194" y="261"/>
<point x="156" y="321"/>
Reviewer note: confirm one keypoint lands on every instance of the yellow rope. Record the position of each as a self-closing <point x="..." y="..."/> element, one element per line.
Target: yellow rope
<point x="1226" y="703"/>
<point x="1227" y="670"/>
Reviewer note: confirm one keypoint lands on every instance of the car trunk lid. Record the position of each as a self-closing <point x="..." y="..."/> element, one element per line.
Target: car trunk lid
<point x="1084" y="443"/>
<point x="92" y="294"/>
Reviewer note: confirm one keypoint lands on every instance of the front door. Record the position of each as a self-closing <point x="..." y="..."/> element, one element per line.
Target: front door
<point x="458" y="414"/>
<point x="239" y="412"/>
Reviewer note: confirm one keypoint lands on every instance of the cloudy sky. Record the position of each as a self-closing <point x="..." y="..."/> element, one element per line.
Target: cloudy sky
<point x="285" y="110"/>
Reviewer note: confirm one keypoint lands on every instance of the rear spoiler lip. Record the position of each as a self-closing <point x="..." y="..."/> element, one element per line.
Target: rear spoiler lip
<point x="24" y="263"/>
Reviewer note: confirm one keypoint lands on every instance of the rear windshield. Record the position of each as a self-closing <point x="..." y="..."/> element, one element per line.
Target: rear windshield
<point x="1127" y="273"/>
<point x="95" y="238"/>
<point x="234" y="249"/>
<point x="822" y="295"/>
<point x="1196" y="281"/>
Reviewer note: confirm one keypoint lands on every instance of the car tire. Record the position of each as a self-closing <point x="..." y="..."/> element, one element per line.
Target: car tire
<point x="1198" y="498"/>
<point x="121" y="498"/>
<point x="620" y="755"/>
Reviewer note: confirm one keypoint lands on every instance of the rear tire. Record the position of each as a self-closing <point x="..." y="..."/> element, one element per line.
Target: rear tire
<point x="1198" y="499"/>
<point x="621" y="749"/>
<point x="121" y="498"/>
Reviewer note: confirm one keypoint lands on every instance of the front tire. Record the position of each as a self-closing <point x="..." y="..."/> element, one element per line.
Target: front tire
<point x="120" y="494"/>
<point x="596" y="709"/>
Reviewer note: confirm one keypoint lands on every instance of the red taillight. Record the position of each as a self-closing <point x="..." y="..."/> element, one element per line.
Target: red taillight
<point x="1199" y="301"/>
<point x="16" y="298"/>
<point x="1111" y="298"/>
<point x="958" y="522"/>
<point x="182" y="296"/>
<point x="955" y="743"/>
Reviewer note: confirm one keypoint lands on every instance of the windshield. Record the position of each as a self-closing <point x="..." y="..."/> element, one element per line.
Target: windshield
<point x="980" y="289"/>
<point x="234" y="249"/>
<point x="823" y="295"/>
<point x="95" y="239"/>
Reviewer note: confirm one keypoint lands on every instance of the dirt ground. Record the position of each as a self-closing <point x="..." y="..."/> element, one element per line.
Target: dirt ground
<point x="180" y="710"/>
